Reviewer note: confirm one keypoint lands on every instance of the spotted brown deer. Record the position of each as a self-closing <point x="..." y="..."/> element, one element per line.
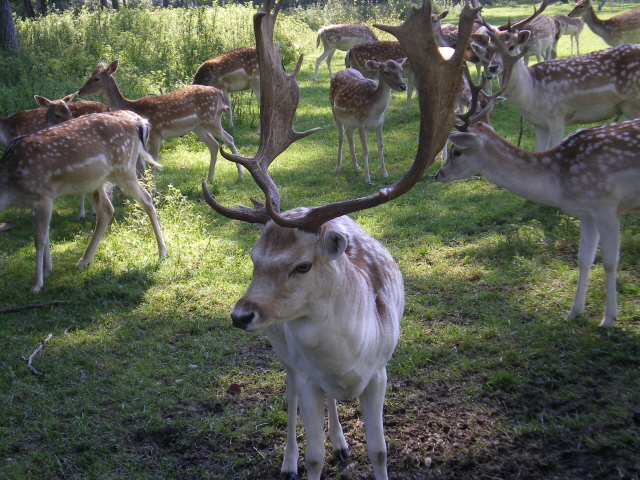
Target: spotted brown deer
<point x="569" y="26"/>
<point x="328" y="296"/>
<point x="593" y="174"/>
<point x="567" y="91"/>
<point x="342" y="36"/>
<point x="360" y="103"/>
<point x="30" y="121"/>
<point x="76" y="156"/>
<point x="232" y="71"/>
<point x="197" y="109"/>
<point x="617" y="30"/>
<point x="379" y="51"/>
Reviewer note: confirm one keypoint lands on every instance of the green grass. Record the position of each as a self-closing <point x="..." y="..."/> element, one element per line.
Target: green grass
<point x="488" y="379"/>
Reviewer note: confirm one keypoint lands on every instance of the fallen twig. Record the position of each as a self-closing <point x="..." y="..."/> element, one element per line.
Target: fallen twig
<point x="42" y="344"/>
<point x="33" y="305"/>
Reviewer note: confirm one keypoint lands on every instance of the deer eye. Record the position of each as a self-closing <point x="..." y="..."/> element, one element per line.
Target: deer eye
<point x="302" y="268"/>
<point x="457" y="152"/>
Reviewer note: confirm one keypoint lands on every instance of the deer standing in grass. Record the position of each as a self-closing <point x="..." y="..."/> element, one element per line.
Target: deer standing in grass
<point x="360" y="103"/>
<point x="569" y="26"/>
<point x="328" y="296"/>
<point x="593" y="174"/>
<point x="342" y="36"/>
<point x="77" y="156"/>
<point x="617" y="30"/>
<point x="197" y="109"/>
<point x="555" y="93"/>
<point x="232" y="71"/>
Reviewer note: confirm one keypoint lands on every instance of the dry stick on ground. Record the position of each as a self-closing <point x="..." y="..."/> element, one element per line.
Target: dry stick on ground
<point x="28" y="307"/>
<point x="30" y="359"/>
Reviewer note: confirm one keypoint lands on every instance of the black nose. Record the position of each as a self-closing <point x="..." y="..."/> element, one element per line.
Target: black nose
<point x="402" y="87"/>
<point x="493" y="68"/>
<point x="242" y="320"/>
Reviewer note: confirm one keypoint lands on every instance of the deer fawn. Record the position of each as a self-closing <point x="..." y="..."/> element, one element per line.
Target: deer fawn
<point x="617" y="30"/>
<point x="76" y="156"/>
<point x="569" y="26"/>
<point x="340" y="37"/>
<point x="357" y="102"/>
<point x="197" y="109"/>
<point x="328" y="296"/>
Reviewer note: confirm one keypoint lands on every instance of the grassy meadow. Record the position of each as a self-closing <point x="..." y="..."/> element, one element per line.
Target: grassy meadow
<point x="144" y="376"/>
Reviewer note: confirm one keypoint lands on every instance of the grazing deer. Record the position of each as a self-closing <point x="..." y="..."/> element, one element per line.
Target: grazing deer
<point x="379" y="51"/>
<point x="197" y="109"/>
<point x="76" y="156"/>
<point x="593" y="174"/>
<point x="569" y="26"/>
<point x="342" y="36"/>
<point x="328" y="296"/>
<point x="602" y="2"/>
<point x="617" y="30"/>
<point x="358" y="102"/>
<point x="30" y="121"/>
<point x="568" y="91"/>
<point x="233" y="71"/>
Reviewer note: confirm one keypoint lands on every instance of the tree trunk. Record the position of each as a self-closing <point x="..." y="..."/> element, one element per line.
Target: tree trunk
<point x="8" y="38"/>
<point x="28" y="6"/>
<point x="104" y="4"/>
<point x="43" y="7"/>
<point x="115" y="4"/>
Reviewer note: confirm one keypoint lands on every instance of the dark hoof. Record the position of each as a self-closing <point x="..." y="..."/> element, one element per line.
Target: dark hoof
<point x="341" y="455"/>
<point x="288" y="475"/>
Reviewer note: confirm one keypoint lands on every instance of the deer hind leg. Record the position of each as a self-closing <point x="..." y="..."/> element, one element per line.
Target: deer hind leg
<point x="372" y="404"/>
<point x="228" y="112"/>
<point x="609" y="228"/>
<point x="338" y="443"/>
<point x="43" y="248"/>
<point x="104" y="213"/>
<point x="352" y="149"/>
<point x="589" y="237"/>
<point x="409" y="93"/>
<point x="255" y="87"/>
<point x="81" y="212"/>
<point x="383" y="169"/>
<point x="131" y="186"/>
<point x="340" y="128"/>
<point x="206" y="135"/>
<point x="326" y="52"/>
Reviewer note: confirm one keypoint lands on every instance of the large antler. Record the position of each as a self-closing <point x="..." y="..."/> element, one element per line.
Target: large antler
<point x="438" y="83"/>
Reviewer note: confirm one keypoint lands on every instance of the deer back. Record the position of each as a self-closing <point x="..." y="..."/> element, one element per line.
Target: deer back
<point x="231" y="71"/>
<point x="343" y="36"/>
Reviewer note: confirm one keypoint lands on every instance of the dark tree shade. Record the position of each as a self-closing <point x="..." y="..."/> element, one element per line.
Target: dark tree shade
<point x="8" y="38"/>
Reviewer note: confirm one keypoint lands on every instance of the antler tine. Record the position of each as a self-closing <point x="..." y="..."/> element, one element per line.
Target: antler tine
<point x="475" y="96"/>
<point x="280" y="95"/>
<point x="438" y="82"/>
<point x="512" y="27"/>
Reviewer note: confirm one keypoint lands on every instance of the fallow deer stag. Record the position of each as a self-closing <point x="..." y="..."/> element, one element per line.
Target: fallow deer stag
<point x="197" y="109"/>
<point x="76" y="156"/>
<point x="617" y="30"/>
<point x="328" y="296"/>
<point x="569" y="26"/>
<point x="568" y="91"/>
<point x="358" y="102"/>
<point x="342" y="36"/>
<point x="593" y="174"/>
<point x="233" y="71"/>
<point x="30" y="121"/>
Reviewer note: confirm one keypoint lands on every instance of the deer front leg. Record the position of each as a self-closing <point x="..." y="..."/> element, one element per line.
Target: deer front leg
<point x="383" y="170"/>
<point x="104" y="213"/>
<point x="340" y="144"/>
<point x="588" y="244"/>
<point x="352" y="149"/>
<point x="409" y="93"/>
<point x="542" y="138"/>
<point x="41" y="240"/>
<point x="372" y="405"/>
<point x="609" y="229"/>
<point x="338" y="443"/>
<point x="312" y="402"/>
<point x="81" y="212"/>
<point x="365" y="152"/>
<point x="289" y="469"/>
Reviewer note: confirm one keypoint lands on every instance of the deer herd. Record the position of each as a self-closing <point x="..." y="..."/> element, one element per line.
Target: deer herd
<point x="317" y="274"/>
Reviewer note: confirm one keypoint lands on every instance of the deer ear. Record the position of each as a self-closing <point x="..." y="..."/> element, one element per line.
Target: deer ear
<point x="69" y="97"/>
<point x="443" y="14"/>
<point x="464" y="140"/>
<point x="334" y="244"/>
<point x="42" y="101"/>
<point x="480" y="40"/>
<point x="372" y="65"/>
<point x="523" y="37"/>
<point x="113" y="67"/>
